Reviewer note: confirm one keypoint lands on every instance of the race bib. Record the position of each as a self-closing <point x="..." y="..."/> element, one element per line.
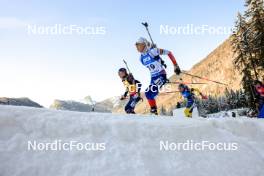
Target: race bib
<point x="154" y="67"/>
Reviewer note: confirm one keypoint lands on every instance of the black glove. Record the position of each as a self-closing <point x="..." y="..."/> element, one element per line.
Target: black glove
<point x="177" y="69"/>
<point x="122" y="97"/>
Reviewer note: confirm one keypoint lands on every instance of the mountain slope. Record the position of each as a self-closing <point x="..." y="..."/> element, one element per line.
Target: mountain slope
<point x="24" y="101"/>
<point x="218" y="65"/>
<point x="77" y="106"/>
<point x="132" y="144"/>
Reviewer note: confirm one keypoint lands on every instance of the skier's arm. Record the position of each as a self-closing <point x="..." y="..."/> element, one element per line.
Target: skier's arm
<point x="168" y="53"/>
<point x="200" y="93"/>
<point x="124" y="95"/>
<point x="138" y="86"/>
<point x="196" y="90"/>
<point x="177" y="69"/>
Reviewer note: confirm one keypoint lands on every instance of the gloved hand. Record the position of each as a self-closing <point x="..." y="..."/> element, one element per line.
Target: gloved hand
<point x="204" y="97"/>
<point x="177" y="69"/>
<point x="122" y="97"/>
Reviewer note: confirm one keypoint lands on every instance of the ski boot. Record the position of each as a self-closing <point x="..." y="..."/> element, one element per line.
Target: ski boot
<point x="188" y="113"/>
<point x="154" y="111"/>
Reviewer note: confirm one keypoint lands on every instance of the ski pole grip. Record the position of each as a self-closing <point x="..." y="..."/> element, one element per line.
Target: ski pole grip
<point x="145" y="24"/>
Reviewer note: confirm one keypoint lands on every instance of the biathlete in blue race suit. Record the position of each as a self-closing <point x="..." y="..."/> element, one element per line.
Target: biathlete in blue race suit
<point x="150" y="58"/>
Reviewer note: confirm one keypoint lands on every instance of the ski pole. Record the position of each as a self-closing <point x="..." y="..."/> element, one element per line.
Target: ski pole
<point x="175" y="82"/>
<point x="146" y="26"/>
<point x="169" y="92"/>
<point x="126" y="65"/>
<point x="153" y="44"/>
<point x="203" y="78"/>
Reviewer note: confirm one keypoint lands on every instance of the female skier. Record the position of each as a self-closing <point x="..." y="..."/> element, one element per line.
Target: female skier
<point x="150" y="57"/>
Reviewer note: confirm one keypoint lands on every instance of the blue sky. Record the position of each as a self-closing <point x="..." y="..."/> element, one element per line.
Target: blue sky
<point x="48" y="67"/>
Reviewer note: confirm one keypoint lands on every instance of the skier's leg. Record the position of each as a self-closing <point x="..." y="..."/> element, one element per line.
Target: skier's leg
<point x="151" y="92"/>
<point x="187" y="112"/>
<point x="130" y="107"/>
<point x="189" y="108"/>
<point x="127" y="108"/>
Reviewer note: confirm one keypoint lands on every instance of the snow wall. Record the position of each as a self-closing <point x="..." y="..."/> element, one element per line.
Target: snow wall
<point x="125" y="144"/>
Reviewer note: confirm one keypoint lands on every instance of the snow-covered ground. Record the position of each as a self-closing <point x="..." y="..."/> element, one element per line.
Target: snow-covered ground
<point x="123" y="145"/>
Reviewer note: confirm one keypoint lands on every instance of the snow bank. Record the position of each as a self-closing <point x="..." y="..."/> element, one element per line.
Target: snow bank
<point x="132" y="144"/>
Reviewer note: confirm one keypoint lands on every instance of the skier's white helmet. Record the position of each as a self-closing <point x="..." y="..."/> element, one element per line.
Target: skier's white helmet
<point x="144" y="41"/>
